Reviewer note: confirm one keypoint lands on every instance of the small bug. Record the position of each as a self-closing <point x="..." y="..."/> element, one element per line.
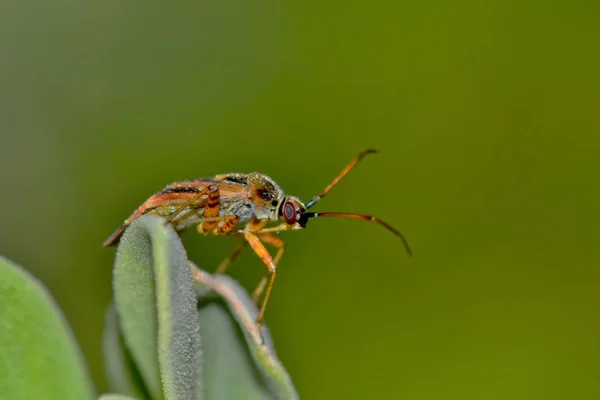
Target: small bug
<point x="242" y="205"/>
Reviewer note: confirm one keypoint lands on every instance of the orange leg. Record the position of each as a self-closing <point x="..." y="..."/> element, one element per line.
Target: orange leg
<point x="228" y="223"/>
<point x="264" y="255"/>
<point x="253" y="225"/>
<point x="278" y="228"/>
<point x="211" y="209"/>
<point x="227" y="226"/>
<point x="232" y="257"/>
<point x="256" y="224"/>
<point x="278" y="243"/>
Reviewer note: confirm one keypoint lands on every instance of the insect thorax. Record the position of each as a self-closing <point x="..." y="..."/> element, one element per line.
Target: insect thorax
<point x="266" y="196"/>
<point x="242" y="209"/>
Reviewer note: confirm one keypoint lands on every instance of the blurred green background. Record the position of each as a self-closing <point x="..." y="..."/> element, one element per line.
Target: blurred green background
<point x="487" y="118"/>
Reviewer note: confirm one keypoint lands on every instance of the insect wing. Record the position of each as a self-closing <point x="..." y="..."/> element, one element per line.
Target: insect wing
<point x="179" y="193"/>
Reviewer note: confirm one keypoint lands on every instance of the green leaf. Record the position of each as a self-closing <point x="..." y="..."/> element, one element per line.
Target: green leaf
<point x="115" y="397"/>
<point x="121" y="371"/>
<point x="239" y="361"/>
<point x="39" y="356"/>
<point x="229" y="373"/>
<point x="157" y="309"/>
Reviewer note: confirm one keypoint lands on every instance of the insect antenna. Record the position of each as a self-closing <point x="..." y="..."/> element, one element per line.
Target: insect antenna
<point x="338" y="178"/>
<point x="363" y="217"/>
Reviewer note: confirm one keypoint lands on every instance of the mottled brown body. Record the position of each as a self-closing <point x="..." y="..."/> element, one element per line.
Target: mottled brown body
<point x="240" y="205"/>
<point x="242" y="195"/>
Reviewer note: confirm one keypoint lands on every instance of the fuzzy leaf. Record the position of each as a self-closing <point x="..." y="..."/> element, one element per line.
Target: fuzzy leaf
<point x="116" y="397"/>
<point x="229" y="373"/>
<point x="156" y="305"/>
<point x="121" y="371"/>
<point x="39" y="357"/>
<point x="239" y="362"/>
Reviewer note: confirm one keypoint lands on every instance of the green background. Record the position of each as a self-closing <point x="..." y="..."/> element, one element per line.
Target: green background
<point x="487" y="118"/>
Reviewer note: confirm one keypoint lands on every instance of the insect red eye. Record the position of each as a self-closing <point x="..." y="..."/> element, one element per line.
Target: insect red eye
<point x="289" y="213"/>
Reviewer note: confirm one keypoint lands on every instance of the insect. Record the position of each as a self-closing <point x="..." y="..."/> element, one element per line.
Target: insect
<point x="242" y="205"/>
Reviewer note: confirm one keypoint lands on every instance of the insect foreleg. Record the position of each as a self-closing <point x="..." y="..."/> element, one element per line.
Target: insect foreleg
<point x="278" y="228"/>
<point x="264" y="255"/>
<point x="278" y="243"/>
<point x="253" y="225"/>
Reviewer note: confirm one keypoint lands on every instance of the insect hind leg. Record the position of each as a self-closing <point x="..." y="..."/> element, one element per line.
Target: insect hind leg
<point x="226" y="263"/>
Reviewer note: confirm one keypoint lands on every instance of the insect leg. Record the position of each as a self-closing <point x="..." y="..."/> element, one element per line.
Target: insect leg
<point x="224" y="265"/>
<point x="222" y="219"/>
<point x="226" y="228"/>
<point x="211" y="209"/>
<point x="264" y="255"/>
<point x="254" y="225"/>
<point x="278" y="228"/>
<point x="278" y="243"/>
